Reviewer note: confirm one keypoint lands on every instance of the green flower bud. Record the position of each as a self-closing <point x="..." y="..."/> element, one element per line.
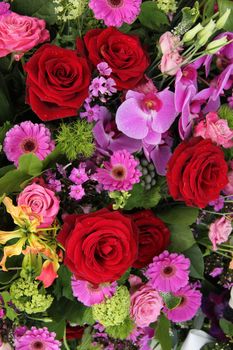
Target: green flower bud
<point x="206" y="33"/>
<point x="190" y="35"/>
<point x="113" y="311"/>
<point x="222" y="20"/>
<point x="26" y="296"/>
<point x="216" y="45"/>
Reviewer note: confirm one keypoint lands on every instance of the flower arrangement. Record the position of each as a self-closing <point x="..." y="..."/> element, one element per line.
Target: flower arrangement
<point x="116" y="177"/>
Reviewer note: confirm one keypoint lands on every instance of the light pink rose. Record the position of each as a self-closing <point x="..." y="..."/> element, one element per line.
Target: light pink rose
<point x="146" y="305"/>
<point x="169" y="43"/>
<point x="228" y="190"/>
<point x="215" y="129"/>
<point x="19" y="34"/>
<point x="42" y="201"/>
<point x="219" y="231"/>
<point x="170" y="63"/>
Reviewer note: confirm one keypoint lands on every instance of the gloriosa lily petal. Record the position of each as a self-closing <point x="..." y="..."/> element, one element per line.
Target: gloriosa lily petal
<point x="11" y="250"/>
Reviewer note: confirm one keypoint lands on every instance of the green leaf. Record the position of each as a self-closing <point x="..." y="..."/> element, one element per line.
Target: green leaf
<point x="7" y="277"/>
<point x="162" y="333"/>
<point x="10" y="313"/>
<point x="4" y="170"/>
<point x="208" y="10"/>
<point x="179" y="219"/>
<point x="3" y="129"/>
<point x="191" y="14"/>
<point x="6" y="107"/>
<point x="171" y="301"/>
<point x="197" y="262"/>
<point x="121" y="331"/>
<point x="52" y="158"/>
<point x="141" y="198"/>
<point x="11" y="181"/>
<point x="151" y="17"/>
<point x="223" y="6"/>
<point x="63" y="284"/>
<point x="226" y="326"/>
<point x="35" y="8"/>
<point x="30" y="164"/>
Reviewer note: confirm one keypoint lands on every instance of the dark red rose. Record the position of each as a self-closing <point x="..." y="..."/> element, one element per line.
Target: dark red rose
<point x="99" y="247"/>
<point x="154" y="237"/>
<point x="57" y="82"/>
<point x="123" y="53"/>
<point x="197" y="172"/>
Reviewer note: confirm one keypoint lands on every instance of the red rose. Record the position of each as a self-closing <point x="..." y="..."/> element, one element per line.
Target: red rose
<point x="154" y="237"/>
<point x="197" y="172"/>
<point x="123" y="53"/>
<point x="57" y="82"/>
<point x="74" y="332"/>
<point x="99" y="247"/>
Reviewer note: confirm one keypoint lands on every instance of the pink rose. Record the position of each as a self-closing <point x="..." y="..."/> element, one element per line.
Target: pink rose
<point x="219" y="231"/>
<point x="169" y="42"/>
<point x="42" y="201"/>
<point x="146" y="305"/>
<point x="19" y="34"/>
<point x="215" y="129"/>
<point x="170" y="63"/>
<point x="228" y="190"/>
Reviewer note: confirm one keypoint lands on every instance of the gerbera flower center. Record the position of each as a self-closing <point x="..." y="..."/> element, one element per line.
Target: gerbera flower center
<point x="168" y="271"/>
<point x="119" y="172"/>
<point x="29" y="145"/>
<point x="37" y="345"/>
<point x="115" y="3"/>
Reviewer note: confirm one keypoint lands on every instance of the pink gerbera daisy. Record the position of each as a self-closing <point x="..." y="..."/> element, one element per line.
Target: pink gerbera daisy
<point x="168" y="272"/>
<point x="90" y="294"/>
<point x="28" y="138"/>
<point x="120" y="174"/>
<point x="37" y="339"/>
<point x="187" y="309"/>
<point x="116" y="12"/>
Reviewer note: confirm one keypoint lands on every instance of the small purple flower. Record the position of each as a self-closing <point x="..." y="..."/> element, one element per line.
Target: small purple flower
<point x="110" y="86"/>
<point x="94" y="113"/>
<point x="54" y="185"/>
<point x="4" y="9"/>
<point x="98" y="86"/>
<point x="2" y="313"/>
<point x="230" y="101"/>
<point x="79" y="175"/>
<point x="61" y="169"/>
<point x="76" y="192"/>
<point x="216" y="272"/>
<point x="104" y="69"/>
<point x="218" y="204"/>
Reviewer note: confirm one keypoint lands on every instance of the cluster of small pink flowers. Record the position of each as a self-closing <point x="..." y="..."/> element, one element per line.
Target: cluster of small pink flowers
<point x="78" y="176"/>
<point x="102" y="86"/>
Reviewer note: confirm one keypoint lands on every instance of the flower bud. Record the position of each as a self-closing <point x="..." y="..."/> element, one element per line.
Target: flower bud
<point x="222" y="20"/>
<point x="206" y="33"/>
<point x="216" y="45"/>
<point x="190" y="35"/>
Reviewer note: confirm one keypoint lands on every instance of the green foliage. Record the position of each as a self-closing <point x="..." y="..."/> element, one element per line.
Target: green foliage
<point x="189" y="18"/>
<point x="162" y="333"/>
<point x="6" y="112"/>
<point x="170" y="300"/>
<point x="120" y="199"/>
<point x="208" y="10"/>
<point x="62" y="286"/>
<point x="197" y="262"/>
<point x="141" y="198"/>
<point x="153" y="18"/>
<point x="10" y="313"/>
<point x="87" y="341"/>
<point x="30" y="164"/>
<point x="27" y="296"/>
<point x="3" y="129"/>
<point x="121" y="331"/>
<point x="35" y="8"/>
<point x="225" y="112"/>
<point x="227" y="327"/>
<point x="179" y="219"/>
<point x="76" y="139"/>
<point x="223" y="6"/>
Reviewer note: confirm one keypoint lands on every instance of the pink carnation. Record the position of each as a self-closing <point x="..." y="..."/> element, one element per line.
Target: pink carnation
<point x="169" y="42"/>
<point x="146" y="305"/>
<point x="215" y="129"/>
<point x="219" y="231"/>
<point x="171" y="60"/>
<point x="228" y="190"/>
<point x="19" y="34"/>
<point x="42" y="201"/>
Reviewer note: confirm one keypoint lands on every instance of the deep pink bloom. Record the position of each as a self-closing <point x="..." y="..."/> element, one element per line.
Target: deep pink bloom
<point x="110" y="86"/>
<point x="90" y="294"/>
<point x="38" y="338"/>
<point x="215" y="129"/>
<point x="216" y="271"/>
<point x="4" y="9"/>
<point x="168" y="272"/>
<point x="145" y="306"/>
<point x="146" y="117"/>
<point x="76" y="192"/>
<point x="98" y="86"/>
<point x="19" y="34"/>
<point x="219" y="231"/>
<point x="116" y="12"/>
<point x="169" y="43"/>
<point x="28" y="138"/>
<point x="42" y="201"/>
<point x="104" y="69"/>
<point x="218" y="204"/>
<point x="120" y="174"/>
<point x="228" y="190"/>
<point x="94" y="113"/>
<point x="190" y="303"/>
<point x="79" y="175"/>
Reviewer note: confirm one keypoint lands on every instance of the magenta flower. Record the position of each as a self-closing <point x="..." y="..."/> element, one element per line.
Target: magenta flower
<point x="110" y="86"/>
<point x="90" y="294"/>
<point x="4" y="9"/>
<point x="146" y="117"/>
<point x="28" y="138"/>
<point x="79" y="175"/>
<point x="98" y="86"/>
<point x="190" y="303"/>
<point x="37" y="338"/>
<point x="116" y="12"/>
<point x="120" y="174"/>
<point x="94" y="113"/>
<point x="104" y="69"/>
<point x="76" y="192"/>
<point x="168" y="272"/>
